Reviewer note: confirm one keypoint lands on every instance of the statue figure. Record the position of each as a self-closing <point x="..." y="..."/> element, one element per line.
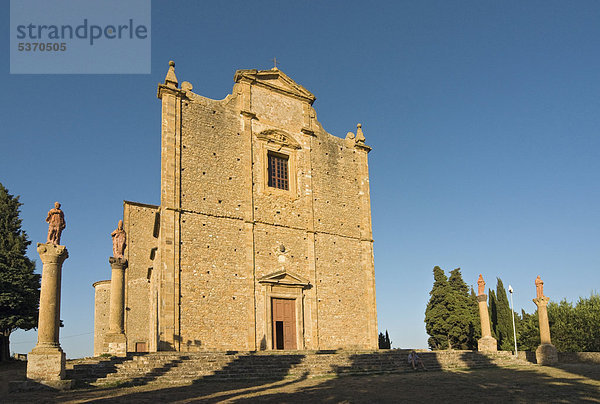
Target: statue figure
<point x="56" y="224"/>
<point x="119" y="237"/>
<point x="481" y="285"/>
<point x="539" y="287"/>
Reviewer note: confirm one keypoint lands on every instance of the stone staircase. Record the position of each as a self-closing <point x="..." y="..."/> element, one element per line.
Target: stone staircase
<point x="187" y="368"/>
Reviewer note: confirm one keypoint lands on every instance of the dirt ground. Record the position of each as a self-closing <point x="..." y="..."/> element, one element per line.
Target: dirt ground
<point x="534" y="384"/>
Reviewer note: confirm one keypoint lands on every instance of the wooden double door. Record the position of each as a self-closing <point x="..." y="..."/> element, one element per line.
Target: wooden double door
<point x="284" y="323"/>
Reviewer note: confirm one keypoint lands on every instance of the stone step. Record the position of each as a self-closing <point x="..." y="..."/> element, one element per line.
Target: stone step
<point x="186" y="367"/>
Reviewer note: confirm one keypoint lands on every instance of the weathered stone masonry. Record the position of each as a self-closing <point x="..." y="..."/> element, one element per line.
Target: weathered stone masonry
<point x="208" y="265"/>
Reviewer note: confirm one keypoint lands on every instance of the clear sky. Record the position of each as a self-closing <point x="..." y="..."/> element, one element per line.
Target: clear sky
<point x="483" y="118"/>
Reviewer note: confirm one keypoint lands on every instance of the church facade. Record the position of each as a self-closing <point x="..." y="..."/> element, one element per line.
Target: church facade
<point x="262" y="239"/>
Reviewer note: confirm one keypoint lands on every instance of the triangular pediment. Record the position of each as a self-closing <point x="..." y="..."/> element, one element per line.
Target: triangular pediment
<point x="284" y="277"/>
<point x="275" y="80"/>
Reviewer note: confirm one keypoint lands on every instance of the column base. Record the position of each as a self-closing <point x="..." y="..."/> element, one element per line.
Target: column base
<point x="487" y="344"/>
<point x="546" y="354"/>
<point x="115" y="344"/>
<point x="46" y="363"/>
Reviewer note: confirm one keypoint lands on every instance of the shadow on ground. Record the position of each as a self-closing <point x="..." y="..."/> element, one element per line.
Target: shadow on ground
<point x="488" y="384"/>
<point x="565" y="383"/>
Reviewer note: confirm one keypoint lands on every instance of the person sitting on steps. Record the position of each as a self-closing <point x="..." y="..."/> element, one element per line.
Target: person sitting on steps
<point x="415" y="360"/>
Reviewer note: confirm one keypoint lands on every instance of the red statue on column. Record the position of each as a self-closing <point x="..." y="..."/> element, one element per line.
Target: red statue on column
<point x="539" y="287"/>
<point x="481" y="285"/>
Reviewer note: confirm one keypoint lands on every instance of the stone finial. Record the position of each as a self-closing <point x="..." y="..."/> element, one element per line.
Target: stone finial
<point x="56" y="224"/>
<point x="480" y="285"/>
<point x="539" y="287"/>
<point x="171" y="79"/>
<point x="360" y="138"/>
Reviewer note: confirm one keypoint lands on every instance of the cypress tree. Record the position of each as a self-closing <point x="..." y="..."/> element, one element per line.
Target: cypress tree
<point x="437" y="311"/>
<point x="492" y="308"/>
<point x="475" y="328"/>
<point x="19" y="285"/>
<point x="384" y="341"/>
<point x="504" y="331"/>
<point x="460" y="318"/>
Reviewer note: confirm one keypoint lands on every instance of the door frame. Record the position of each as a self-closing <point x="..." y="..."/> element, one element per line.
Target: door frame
<point x="284" y="285"/>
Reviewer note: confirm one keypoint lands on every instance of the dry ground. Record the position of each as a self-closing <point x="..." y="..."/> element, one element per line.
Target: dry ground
<point x="566" y="383"/>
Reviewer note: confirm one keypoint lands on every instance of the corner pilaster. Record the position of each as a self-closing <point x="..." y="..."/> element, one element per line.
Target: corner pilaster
<point x="366" y="234"/>
<point x="246" y="117"/>
<point x="170" y="215"/>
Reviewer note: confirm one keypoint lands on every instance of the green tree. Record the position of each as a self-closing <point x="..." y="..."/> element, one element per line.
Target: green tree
<point x="528" y="335"/>
<point x="437" y="311"/>
<point x="460" y="318"/>
<point x="475" y="329"/>
<point x="575" y="328"/>
<point x="384" y="341"/>
<point x="587" y="317"/>
<point x="19" y="285"/>
<point x="561" y="317"/>
<point x="493" y="310"/>
<point x="504" y="331"/>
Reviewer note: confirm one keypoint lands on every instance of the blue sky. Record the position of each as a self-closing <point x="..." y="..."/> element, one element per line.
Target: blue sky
<point x="483" y="118"/>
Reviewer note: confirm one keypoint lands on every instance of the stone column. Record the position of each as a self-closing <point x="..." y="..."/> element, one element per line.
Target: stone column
<point x="486" y="343"/>
<point x="115" y="340"/>
<point x="46" y="362"/>
<point x="546" y="353"/>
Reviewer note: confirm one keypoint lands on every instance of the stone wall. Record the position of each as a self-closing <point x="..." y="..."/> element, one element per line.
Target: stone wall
<point x="335" y="187"/>
<point x="214" y="163"/>
<point x="578" y="357"/>
<point x="341" y="291"/>
<point x="101" y="313"/>
<point x="138" y="222"/>
<point x="216" y="285"/>
<point x="566" y="357"/>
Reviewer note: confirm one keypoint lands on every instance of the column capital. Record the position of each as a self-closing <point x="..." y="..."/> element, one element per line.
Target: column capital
<point x="117" y="263"/>
<point x="482" y="298"/>
<point x="52" y="254"/>
<point x="541" y="301"/>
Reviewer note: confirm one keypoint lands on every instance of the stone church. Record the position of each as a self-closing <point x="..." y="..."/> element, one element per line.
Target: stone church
<point x="262" y="239"/>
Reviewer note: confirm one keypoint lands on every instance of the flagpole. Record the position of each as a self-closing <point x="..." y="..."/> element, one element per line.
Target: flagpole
<point x="512" y="308"/>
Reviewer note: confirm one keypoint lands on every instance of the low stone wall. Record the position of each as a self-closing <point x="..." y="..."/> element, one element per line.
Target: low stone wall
<point x="577" y="357"/>
<point x="566" y="357"/>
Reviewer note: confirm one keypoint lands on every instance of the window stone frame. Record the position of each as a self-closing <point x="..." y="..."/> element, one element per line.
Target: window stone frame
<point x="279" y="142"/>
